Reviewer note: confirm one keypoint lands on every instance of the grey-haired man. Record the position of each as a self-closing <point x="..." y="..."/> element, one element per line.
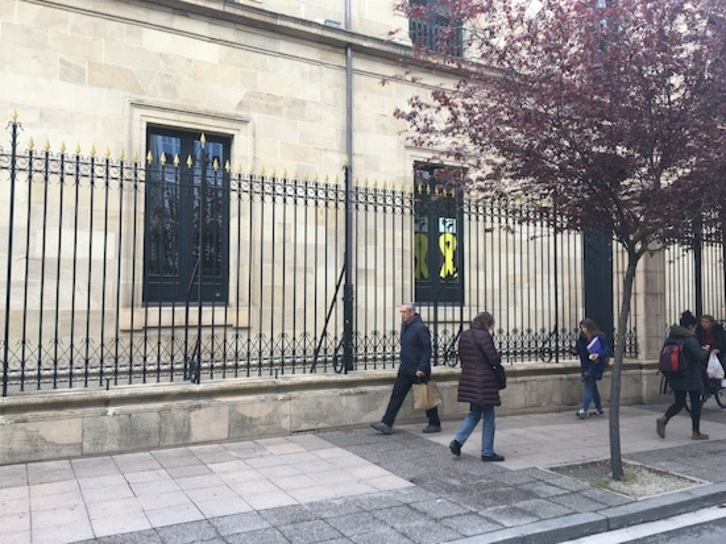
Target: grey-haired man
<point x="415" y="367"/>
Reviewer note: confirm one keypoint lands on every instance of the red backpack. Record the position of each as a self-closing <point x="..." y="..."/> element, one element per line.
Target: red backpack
<point x="672" y="361"/>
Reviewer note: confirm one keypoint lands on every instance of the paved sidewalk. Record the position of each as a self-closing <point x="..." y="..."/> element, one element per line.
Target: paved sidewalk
<point x="356" y="486"/>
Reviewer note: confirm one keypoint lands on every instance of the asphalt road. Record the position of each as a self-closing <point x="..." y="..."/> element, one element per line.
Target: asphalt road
<point x="707" y="526"/>
<point x="711" y="532"/>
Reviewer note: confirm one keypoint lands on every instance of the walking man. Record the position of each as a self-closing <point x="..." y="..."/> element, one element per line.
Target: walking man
<point x="415" y="367"/>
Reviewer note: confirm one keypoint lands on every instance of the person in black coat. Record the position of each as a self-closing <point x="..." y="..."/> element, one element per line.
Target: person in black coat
<point x="415" y="367"/>
<point x="478" y="386"/>
<point x="690" y="381"/>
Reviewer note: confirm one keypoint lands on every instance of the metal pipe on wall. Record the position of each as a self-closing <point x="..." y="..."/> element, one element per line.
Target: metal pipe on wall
<point x="348" y="325"/>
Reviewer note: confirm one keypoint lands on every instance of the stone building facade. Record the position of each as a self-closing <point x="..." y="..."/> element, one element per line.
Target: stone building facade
<point x="286" y="94"/>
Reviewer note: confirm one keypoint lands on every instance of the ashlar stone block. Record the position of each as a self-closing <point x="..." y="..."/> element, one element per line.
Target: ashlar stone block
<point x="48" y="439"/>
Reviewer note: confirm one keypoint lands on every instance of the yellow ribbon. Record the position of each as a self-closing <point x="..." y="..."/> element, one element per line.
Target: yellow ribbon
<point x="420" y="252"/>
<point x="447" y="244"/>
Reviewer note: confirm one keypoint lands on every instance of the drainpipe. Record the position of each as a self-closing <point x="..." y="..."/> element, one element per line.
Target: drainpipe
<point x="348" y="256"/>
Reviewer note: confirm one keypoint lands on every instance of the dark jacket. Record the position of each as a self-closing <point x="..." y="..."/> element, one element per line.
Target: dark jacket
<point x="691" y="379"/>
<point x="415" y="348"/>
<point x="601" y="348"/>
<point x="477" y="383"/>
<point x="719" y="339"/>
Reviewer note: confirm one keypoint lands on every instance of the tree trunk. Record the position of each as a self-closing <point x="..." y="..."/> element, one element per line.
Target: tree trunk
<point x="616" y="460"/>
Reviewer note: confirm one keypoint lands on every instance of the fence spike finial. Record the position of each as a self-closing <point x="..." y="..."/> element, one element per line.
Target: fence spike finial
<point x="62" y="147"/>
<point x="136" y="156"/>
<point x="190" y="162"/>
<point x="357" y="182"/>
<point x="162" y="159"/>
<point x="93" y="150"/>
<point x="107" y="154"/>
<point x="227" y="166"/>
<point x="337" y="179"/>
<point x="77" y="148"/>
<point x="284" y="173"/>
<point x="122" y="155"/>
<point x="46" y="147"/>
<point x="14" y="116"/>
<point x="176" y="160"/>
<point x="149" y="157"/>
<point x="215" y="164"/>
<point x="239" y="169"/>
<point x="327" y="178"/>
<point x="31" y="144"/>
<point x="203" y="140"/>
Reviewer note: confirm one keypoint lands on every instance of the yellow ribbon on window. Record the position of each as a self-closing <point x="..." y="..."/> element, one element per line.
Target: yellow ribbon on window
<point x="447" y="244"/>
<point x="420" y="252"/>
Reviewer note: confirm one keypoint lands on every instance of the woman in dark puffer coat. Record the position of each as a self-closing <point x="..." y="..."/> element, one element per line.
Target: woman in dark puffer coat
<point x="478" y="385"/>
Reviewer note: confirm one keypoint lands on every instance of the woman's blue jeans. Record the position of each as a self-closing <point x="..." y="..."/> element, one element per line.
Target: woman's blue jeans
<point x="486" y="414"/>
<point x="590" y="394"/>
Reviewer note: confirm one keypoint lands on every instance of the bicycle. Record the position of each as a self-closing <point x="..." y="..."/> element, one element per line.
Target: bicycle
<point x="545" y="352"/>
<point x="715" y="388"/>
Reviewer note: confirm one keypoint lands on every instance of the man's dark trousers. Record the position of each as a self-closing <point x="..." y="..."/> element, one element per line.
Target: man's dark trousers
<point x="401" y="387"/>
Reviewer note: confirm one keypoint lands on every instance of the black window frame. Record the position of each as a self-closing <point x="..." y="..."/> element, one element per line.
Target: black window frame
<point x="437" y="211"/>
<point x="172" y="227"/>
<point x="426" y="32"/>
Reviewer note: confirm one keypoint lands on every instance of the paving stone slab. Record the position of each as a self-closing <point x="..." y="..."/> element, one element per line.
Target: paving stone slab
<point x="309" y="532"/>
<point x="261" y="536"/>
<point x="470" y="524"/>
<point x="353" y="524"/>
<point x="139" y="537"/>
<point x="187" y="533"/>
<point x="239" y="523"/>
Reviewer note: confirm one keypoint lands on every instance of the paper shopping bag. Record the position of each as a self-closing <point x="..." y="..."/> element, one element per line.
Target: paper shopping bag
<point x="425" y="395"/>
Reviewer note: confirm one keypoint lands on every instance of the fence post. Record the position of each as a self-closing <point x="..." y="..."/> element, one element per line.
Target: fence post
<point x="698" y="265"/>
<point x="9" y="276"/>
<point x="348" y="285"/>
<point x="597" y="255"/>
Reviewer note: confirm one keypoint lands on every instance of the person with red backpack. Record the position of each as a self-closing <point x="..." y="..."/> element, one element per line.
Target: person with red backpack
<point x="684" y="358"/>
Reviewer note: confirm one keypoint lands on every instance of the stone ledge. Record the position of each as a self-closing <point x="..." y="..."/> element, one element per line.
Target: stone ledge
<point x="41" y="426"/>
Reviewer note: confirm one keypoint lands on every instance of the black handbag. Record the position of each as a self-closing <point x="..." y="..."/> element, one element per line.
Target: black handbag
<point x="499" y="373"/>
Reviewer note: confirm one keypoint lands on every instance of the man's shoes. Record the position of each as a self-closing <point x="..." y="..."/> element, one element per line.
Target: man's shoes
<point x="597" y="413"/>
<point x="660" y="425"/>
<point x="455" y="448"/>
<point x="698" y="436"/>
<point x="432" y="429"/>
<point x="382" y="428"/>
<point x="582" y="414"/>
<point x="492" y="458"/>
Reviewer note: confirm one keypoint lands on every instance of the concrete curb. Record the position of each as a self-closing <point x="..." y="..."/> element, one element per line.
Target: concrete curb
<point x="553" y="531"/>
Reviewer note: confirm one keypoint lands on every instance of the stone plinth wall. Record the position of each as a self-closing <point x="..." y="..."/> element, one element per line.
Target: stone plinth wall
<point x="84" y="423"/>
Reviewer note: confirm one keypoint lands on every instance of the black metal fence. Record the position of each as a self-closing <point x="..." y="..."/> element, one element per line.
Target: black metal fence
<point x="695" y="276"/>
<point x="169" y="268"/>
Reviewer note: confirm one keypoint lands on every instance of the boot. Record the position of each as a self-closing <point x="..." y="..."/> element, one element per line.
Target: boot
<point x="697" y="435"/>
<point x="660" y="425"/>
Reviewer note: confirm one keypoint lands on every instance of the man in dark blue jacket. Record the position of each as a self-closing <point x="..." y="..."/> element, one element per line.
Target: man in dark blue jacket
<point x="415" y="367"/>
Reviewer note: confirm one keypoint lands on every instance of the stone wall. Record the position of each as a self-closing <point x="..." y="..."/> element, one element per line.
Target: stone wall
<point x="125" y="419"/>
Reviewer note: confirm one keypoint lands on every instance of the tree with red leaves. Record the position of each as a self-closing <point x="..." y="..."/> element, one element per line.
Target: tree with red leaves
<point x="612" y="111"/>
